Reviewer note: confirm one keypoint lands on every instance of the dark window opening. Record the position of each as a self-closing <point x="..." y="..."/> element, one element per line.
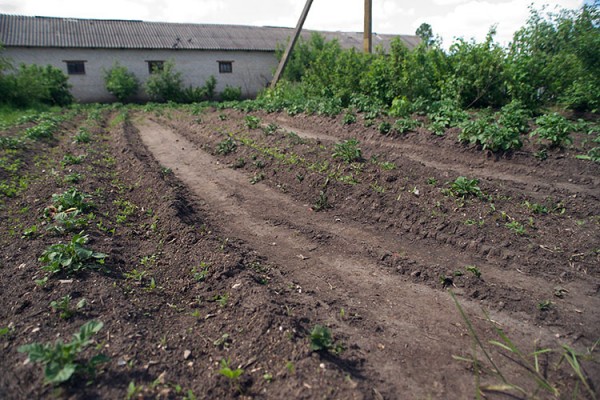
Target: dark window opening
<point x="225" y="67"/>
<point x="155" y="66"/>
<point x="75" y="67"/>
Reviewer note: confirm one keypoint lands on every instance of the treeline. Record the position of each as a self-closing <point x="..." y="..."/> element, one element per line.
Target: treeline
<point x="553" y="60"/>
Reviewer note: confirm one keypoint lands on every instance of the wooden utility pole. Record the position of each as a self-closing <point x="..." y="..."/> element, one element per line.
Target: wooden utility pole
<point x="368" y="31"/>
<point x="292" y="42"/>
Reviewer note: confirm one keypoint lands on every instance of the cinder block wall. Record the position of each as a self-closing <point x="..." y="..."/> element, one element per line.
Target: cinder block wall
<point x="252" y="71"/>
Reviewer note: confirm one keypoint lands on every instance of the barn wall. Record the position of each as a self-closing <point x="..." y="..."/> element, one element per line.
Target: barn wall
<point x="252" y="71"/>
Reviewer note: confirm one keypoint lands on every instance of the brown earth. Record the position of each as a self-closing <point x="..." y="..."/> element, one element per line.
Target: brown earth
<point x="375" y="267"/>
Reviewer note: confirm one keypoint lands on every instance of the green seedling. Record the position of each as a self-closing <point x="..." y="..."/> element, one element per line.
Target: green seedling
<point x="321" y="340"/>
<point x="67" y="221"/>
<point x="221" y="299"/>
<point x="223" y="342"/>
<point x="73" y="177"/>
<point x="474" y="270"/>
<point x="7" y="331"/>
<point x="239" y="163"/>
<point x="257" y="178"/>
<point x="133" y="391"/>
<point x="60" y="360"/>
<point x="135" y="275"/>
<point x="516" y="227"/>
<point x="541" y="154"/>
<point x="544" y="305"/>
<point x="322" y="203"/>
<point x="384" y="128"/>
<point x="70" y="257"/>
<point x="270" y="129"/>
<point x="126" y="209"/>
<point x="29" y="232"/>
<point x="349" y="118"/>
<point x="405" y="125"/>
<point x="63" y="306"/>
<point x="200" y="273"/>
<point x="148" y="261"/>
<point x="70" y="199"/>
<point x="233" y="375"/>
<point x="290" y="367"/>
<point x="387" y="166"/>
<point x="252" y="122"/>
<point x="348" y="151"/>
<point x="82" y="136"/>
<point x="226" y="146"/>
<point x="536" y="208"/>
<point x="70" y="159"/>
<point x="43" y="130"/>
<point x="463" y="187"/>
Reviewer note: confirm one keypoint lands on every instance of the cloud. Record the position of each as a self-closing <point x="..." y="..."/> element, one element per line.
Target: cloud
<point x="473" y="19"/>
<point x="448" y="2"/>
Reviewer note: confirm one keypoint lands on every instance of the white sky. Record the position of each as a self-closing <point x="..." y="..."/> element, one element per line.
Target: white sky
<point x="448" y="18"/>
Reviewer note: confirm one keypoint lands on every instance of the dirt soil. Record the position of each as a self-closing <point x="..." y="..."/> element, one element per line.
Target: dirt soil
<point x="230" y="242"/>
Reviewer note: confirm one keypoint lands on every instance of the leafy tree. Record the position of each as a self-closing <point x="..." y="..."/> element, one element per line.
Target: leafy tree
<point x="478" y="72"/>
<point x="303" y="55"/>
<point x="425" y="33"/>
<point x="555" y="58"/>
<point x="166" y="84"/>
<point x="121" y="82"/>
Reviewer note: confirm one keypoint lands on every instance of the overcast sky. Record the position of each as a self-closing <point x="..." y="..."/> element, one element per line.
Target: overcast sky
<point x="448" y="18"/>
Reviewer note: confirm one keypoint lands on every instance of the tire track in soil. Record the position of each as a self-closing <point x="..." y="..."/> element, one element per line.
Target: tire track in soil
<point x="404" y="326"/>
<point x="419" y="154"/>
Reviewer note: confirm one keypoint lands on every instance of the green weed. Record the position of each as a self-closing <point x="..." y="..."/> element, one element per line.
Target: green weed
<point x="538" y="374"/>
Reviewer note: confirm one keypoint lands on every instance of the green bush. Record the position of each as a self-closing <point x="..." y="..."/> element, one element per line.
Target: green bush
<point x="231" y="93"/>
<point x="30" y="85"/>
<point x="200" y="94"/>
<point x="166" y="84"/>
<point x="120" y="82"/>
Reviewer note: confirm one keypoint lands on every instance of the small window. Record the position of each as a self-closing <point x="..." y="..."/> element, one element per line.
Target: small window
<point x="75" y="67"/>
<point x="155" y="66"/>
<point x="225" y="67"/>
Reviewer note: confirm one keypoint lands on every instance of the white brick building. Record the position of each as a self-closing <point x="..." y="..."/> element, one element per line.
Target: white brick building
<point x="239" y="56"/>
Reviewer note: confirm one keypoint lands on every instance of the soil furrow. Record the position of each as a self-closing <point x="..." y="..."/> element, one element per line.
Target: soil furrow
<point x="433" y="159"/>
<point x="342" y="271"/>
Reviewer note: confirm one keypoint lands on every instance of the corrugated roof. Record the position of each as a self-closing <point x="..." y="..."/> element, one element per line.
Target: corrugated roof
<point x="24" y="31"/>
